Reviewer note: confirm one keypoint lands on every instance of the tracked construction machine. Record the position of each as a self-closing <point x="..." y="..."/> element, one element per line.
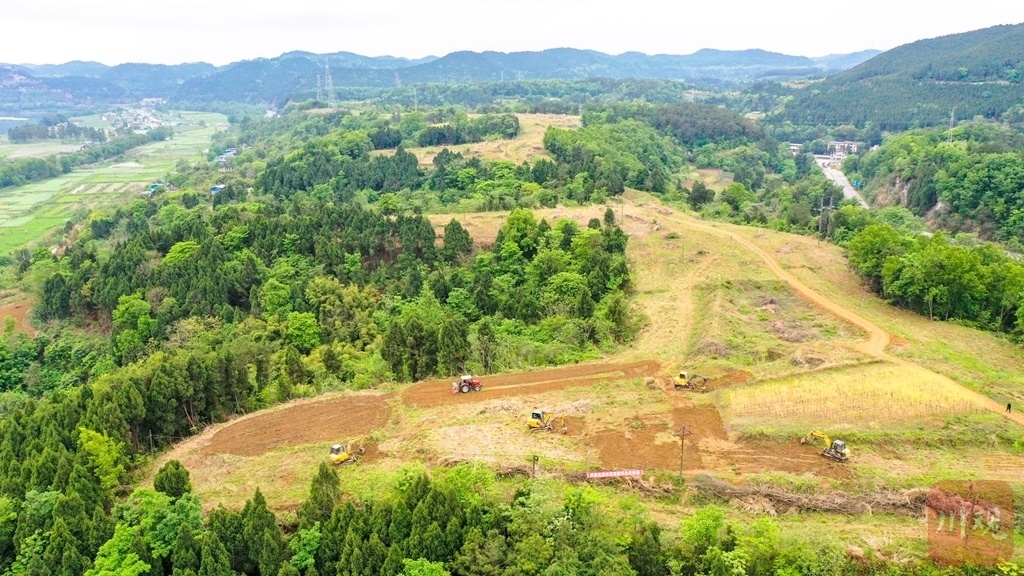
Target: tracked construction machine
<point x="541" y="421"/>
<point x="347" y="453"/>
<point x="686" y="382"/>
<point x="833" y="449"/>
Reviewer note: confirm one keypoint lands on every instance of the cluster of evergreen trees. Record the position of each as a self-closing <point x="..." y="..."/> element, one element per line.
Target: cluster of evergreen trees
<point x="297" y="277"/>
<point x="55" y="127"/>
<point x="471" y="130"/>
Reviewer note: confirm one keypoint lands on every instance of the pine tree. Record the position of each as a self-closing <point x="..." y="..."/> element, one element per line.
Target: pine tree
<point x="173" y="480"/>
<point x="486" y="342"/>
<point x="380" y="521"/>
<point x="393" y="562"/>
<point x="374" y="555"/>
<point x="228" y="527"/>
<point x="215" y="559"/>
<point x="457" y="241"/>
<point x="453" y="345"/>
<point x="185" y="555"/>
<point x="271" y="553"/>
<point x="324" y="494"/>
<point x="401" y="523"/>
<point x="99" y="530"/>
<point x="332" y="538"/>
<point x="61" y="542"/>
<point x="262" y="536"/>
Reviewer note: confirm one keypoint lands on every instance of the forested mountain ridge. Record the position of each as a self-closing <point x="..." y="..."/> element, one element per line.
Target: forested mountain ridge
<point x="465" y="66"/>
<point x="978" y="73"/>
<point x="278" y="79"/>
<point x="986" y="55"/>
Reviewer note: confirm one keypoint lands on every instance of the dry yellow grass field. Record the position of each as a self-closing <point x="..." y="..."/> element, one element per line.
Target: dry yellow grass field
<point x="526" y="147"/>
<point x="873" y="395"/>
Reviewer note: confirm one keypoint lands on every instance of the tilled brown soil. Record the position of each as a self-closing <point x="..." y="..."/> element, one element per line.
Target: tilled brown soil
<point x="438" y="392"/>
<point x="329" y="420"/>
<point x="19" y="311"/>
<point x="637" y="443"/>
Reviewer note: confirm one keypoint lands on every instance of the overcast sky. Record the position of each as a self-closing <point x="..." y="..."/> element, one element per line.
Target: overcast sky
<point x="175" y="31"/>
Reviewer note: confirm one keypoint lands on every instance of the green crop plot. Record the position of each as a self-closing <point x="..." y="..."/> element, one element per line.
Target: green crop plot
<point x="33" y="211"/>
<point x="38" y="148"/>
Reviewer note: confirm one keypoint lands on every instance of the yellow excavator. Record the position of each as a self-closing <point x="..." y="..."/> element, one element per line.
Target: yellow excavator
<point x="542" y="421"/>
<point x="686" y="381"/>
<point x="346" y="453"/>
<point x="834" y="449"/>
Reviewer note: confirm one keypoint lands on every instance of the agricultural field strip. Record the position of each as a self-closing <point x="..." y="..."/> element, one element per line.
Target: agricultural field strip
<point x="31" y="211"/>
<point x="878" y="338"/>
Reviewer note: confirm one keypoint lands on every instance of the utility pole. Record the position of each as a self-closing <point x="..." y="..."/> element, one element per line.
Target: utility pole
<point x="535" y="459"/>
<point x="683" y="433"/>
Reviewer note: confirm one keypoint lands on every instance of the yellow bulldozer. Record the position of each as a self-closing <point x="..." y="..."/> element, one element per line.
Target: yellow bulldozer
<point x="542" y="421"/>
<point x="833" y="449"/>
<point x="347" y="453"/>
<point x="687" y="381"/>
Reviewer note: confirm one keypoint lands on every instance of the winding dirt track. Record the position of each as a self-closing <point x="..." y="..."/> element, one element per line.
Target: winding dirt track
<point x="878" y="338"/>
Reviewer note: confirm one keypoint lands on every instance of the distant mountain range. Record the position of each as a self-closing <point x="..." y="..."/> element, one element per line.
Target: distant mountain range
<point x="275" y="80"/>
<point x="979" y="73"/>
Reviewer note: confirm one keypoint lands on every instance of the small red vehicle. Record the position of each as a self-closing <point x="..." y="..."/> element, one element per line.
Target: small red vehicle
<point x="466" y="384"/>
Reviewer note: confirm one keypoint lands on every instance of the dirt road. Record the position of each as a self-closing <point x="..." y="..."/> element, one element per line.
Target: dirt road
<point x="878" y="338"/>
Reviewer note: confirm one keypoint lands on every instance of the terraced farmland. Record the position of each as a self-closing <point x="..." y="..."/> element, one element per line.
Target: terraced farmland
<point x="33" y="211"/>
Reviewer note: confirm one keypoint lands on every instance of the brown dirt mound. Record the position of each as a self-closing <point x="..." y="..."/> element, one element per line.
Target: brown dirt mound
<point x="730" y="379"/>
<point x="700" y="421"/>
<point x="645" y="443"/>
<point x="754" y="456"/>
<point x="331" y="420"/>
<point x="575" y="425"/>
<point x="19" y="311"/>
<point x="438" y="392"/>
<point x="640" y="444"/>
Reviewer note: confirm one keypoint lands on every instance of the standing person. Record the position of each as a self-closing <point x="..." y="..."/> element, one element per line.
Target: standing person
<point x="1008" y="407"/>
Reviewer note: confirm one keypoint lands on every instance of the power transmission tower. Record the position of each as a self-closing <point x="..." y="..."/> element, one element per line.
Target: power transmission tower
<point x="825" y="218"/>
<point x="952" y="122"/>
<point x="319" y="96"/>
<point x="331" y="103"/>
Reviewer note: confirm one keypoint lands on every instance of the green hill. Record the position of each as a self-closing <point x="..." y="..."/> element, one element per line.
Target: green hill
<point x="979" y="73"/>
